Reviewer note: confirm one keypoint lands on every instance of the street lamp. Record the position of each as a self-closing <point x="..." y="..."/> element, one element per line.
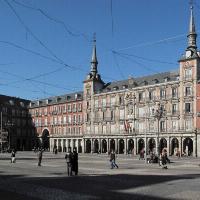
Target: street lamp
<point x="158" y="114"/>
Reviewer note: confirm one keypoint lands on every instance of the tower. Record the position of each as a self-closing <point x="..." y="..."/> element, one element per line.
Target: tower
<point x="91" y="85"/>
<point x="189" y="90"/>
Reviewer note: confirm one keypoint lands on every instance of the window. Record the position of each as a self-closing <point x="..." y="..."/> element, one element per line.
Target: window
<point x="45" y="121"/>
<point x="188" y="124"/>
<point x="141" y="112"/>
<point x="162" y="126"/>
<point x="96" y="103"/>
<point x="69" y="108"/>
<point x="112" y="115"/>
<point x="140" y="96"/>
<point x="150" y="95"/>
<point x="174" y="108"/>
<point x="112" y="101"/>
<point x="174" y="125"/>
<point x="188" y="91"/>
<point x="162" y="93"/>
<point x="104" y="102"/>
<point x="64" y="120"/>
<point x="121" y="114"/>
<point x="74" y="107"/>
<point x="188" y="73"/>
<point x="174" y="92"/>
<point x="187" y="107"/>
<point x="95" y="129"/>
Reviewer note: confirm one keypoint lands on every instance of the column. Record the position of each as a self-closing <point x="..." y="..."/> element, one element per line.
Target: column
<point x="125" y="146"/>
<point x="99" y="140"/>
<point x="180" y="145"/>
<point x="92" y="145"/>
<point x="168" y="146"/>
<point x="83" y="145"/>
<point x="108" y="146"/>
<point x="135" y="145"/>
<point x="116" y="146"/>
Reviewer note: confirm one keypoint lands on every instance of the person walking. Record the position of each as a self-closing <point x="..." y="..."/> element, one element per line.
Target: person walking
<point x="68" y="158"/>
<point x="13" y="159"/>
<point x="113" y="159"/>
<point x="40" y="152"/>
<point x="75" y="162"/>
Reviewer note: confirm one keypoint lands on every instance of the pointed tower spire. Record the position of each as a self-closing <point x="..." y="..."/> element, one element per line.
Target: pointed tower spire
<point x="94" y="61"/>
<point x="192" y="33"/>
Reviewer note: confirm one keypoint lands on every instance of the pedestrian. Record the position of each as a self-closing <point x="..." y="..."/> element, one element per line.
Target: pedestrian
<point x="40" y="152"/>
<point x="113" y="160"/>
<point x="13" y="159"/>
<point x="142" y="154"/>
<point x="75" y="162"/>
<point x="68" y="158"/>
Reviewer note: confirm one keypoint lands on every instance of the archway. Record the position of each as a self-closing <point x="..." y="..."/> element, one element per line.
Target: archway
<point x="188" y="146"/>
<point x="96" y="146"/>
<point x="130" y="146"/>
<point x="112" y="145"/>
<point x="45" y="139"/>
<point x="151" y="145"/>
<point x="88" y="146"/>
<point x="104" y="146"/>
<point x="174" y="146"/>
<point x="79" y="146"/>
<point x="163" y="144"/>
<point x="121" y="146"/>
<point x="141" y="145"/>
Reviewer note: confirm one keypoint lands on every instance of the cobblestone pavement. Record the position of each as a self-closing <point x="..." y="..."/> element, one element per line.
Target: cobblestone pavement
<point x="134" y="179"/>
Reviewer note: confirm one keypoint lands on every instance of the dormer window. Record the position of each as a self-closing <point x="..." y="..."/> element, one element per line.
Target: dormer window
<point x="125" y="86"/>
<point x="22" y="104"/>
<point x="116" y="88"/>
<point x="166" y="79"/>
<point x="11" y="102"/>
<point x="155" y="80"/>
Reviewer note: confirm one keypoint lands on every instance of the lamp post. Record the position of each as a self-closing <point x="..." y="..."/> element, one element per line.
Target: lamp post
<point x="158" y="114"/>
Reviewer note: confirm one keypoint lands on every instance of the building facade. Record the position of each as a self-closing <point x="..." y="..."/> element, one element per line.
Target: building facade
<point x="153" y="112"/>
<point x="16" y="128"/>
<point x="59" y="121"/>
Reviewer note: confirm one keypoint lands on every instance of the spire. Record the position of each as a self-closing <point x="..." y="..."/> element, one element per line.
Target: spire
<point x="94" y="61"/>
<point x="192" y="33"/>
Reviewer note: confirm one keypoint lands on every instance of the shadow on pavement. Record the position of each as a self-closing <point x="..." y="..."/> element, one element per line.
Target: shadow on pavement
<point x="102" y="187"/>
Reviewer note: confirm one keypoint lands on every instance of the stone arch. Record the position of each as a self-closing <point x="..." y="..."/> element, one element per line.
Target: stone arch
<point x="45" y="139"/>
<point x="141" y="145"/>
<point x="188" y="146"/>
<point x="96" y="146"/>
<point x="104" y="146"/>
<point x="88" y="146"/>
<point x="130" y="146"/>
<point x="112" y="145"/>
<point x="121" y="146"/>
<point x="174" y="146"/>
<point x="163" y="144"/>
<point x="151" y="145"/>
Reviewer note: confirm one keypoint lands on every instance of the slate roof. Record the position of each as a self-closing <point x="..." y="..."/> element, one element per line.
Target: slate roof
<point x="14" y="101"/>
<point x="141" y="81"/>
<point x="57" y="99"/>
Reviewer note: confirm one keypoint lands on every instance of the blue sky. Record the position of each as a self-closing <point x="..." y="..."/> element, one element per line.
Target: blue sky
<point x="45" y="46"/>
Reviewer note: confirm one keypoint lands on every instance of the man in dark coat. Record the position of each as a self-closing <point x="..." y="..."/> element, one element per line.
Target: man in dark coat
<point x="75" y="162"/>
<point x="69" y="157"/>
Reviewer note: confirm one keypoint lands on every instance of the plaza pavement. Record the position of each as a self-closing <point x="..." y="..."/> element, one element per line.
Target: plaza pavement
<point x="134" y="179"/>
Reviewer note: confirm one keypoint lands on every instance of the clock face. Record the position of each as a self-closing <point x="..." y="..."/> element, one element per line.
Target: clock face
<point x="188" y="54"/>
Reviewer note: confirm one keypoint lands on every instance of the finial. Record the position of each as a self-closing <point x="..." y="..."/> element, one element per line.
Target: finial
<point x="94" y="38"/>
<point x="191" y="4"/>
